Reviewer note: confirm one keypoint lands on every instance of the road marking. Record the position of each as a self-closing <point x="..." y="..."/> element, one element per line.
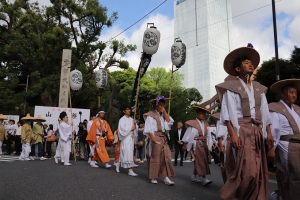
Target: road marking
<point x="4" y="158"/>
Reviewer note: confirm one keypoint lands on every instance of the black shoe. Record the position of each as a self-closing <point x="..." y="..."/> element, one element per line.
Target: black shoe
<point x="175" y="164"/>
<point x="7" y="154"/>
<point x="181" y="164"/>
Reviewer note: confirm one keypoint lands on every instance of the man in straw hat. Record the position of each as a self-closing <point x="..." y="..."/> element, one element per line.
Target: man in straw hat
<point x="221" y="135"/>
<point x="127" y="132"/>
<point x="26" y="135"/>
<point x="198" y="139"/>
<point x="157" y="123"/>
<point x="285" y="128"/>
<point x="244" y="110"/>
<point x="37" y="139"/>
<point x="63" y="149"/>
<point x="100" y="133"/>
<point x="3" y="133"/>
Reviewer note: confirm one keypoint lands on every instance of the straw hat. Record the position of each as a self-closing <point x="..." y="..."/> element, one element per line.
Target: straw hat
<point x="157" y="99"/>
<point x="196" y="107"/>
<point x="2" y="117"/>
<point x="28" y="117"/>
<point x="39" y="117"/>
<point x="249" y="52"/>
<point x="276" y="87"/>
<point x="216" y="116"/>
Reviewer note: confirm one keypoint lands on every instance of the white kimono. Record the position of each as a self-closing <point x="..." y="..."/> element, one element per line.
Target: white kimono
<point x="191" y="133"/>
<point x="151" y="127"/>
<point x="126" y="135"/>
<point x="281" y="126"/>
<point x="64" y="143"/>
<point x="232" y="108"/>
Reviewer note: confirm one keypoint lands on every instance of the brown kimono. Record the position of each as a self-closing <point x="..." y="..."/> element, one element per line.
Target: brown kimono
<point x="201" y="167"/>
<point x="159" y="164"/>
<point x="289" y="182"/>
<point x="247" y="176"/>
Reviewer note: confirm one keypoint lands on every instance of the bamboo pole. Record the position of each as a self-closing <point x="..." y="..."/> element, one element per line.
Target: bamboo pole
<point x="73" y="140"/>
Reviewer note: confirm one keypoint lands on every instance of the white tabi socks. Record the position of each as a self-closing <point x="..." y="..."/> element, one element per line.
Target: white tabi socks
<point x="117" y="167"/>
<point x="131" y="173"/>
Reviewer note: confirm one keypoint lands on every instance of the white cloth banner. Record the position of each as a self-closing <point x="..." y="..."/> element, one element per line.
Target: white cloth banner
<point x="51" y="115"/>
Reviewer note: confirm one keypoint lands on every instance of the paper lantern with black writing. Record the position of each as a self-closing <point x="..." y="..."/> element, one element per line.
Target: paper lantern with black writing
<point x="101" y="78"/>
<point x="178" y="53"/>
<point x="75" y="79"/>
<point x="151" y="40"/>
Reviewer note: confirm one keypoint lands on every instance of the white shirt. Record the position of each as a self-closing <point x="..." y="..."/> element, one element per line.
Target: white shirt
<point x="179" y="133"/>
<point x="18" y="130"/>
<point x="88" y="126"/>
<point x="232" y="108"/>
<point x="10" y="128"/>
<point x="191" y="133"/>
<point x="281" y="126"/>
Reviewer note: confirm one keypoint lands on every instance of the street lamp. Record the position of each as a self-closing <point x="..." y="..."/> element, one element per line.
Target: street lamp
<point x="178" y="56"/>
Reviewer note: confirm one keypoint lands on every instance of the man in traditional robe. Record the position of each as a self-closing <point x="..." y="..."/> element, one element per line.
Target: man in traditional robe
<point x="158" y="152"/>
<point x="285" y="128"/>
<point x="244" y="110"/>
<point x="100" y="133"/>
<point x="3" y="132"/>
<point x="221" y="135"/>
<point x="37" y="139"/>
<point x="92" y="148"/>
<point x="127" y="131"/>
<point x="198" y="138"/>
<point x="26" y="135"/>
<point x="63" y="149"/>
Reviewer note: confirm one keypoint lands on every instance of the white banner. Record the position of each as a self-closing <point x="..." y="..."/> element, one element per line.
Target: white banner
<point x="51" y="115"/>
<point x="12" y="117"/>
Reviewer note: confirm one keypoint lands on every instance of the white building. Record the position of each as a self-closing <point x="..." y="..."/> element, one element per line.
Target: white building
<point x="206" y="32"/>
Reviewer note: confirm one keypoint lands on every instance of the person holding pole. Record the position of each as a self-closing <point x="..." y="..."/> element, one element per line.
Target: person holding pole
<point x="157" y="122"/>
<point x="63" y="149"/>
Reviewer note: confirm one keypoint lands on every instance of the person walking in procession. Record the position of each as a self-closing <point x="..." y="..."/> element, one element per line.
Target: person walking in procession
<point x="63" y="149"/>
<point x="198" y="139"/>
<point x="3" y="133"/>
<point x="285" y="128"/>
<point x="178" y="135"/>
<point x="244" y="110"/>
<point x="38" y="139"/>
<point x="157" y="122"/>
<point x="26" y="136"/>
<point x="127" y="131"/>
<point x="100" y="133"/>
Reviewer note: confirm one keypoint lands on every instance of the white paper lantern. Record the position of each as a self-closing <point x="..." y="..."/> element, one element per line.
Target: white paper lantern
<point x="101" y="78"/>
<point x="178" y="53"/>
<point x="75" y="79"/>
<point x="151" y="40"/>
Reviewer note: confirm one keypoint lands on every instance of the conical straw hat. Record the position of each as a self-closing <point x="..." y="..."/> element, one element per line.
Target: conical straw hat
<point x="28" y="117"/>
<point x="3" y="117"/>
<point x="39" y="117"/>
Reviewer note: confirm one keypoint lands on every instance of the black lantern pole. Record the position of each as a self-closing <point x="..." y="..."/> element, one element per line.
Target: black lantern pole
<point x="275" y="41"/>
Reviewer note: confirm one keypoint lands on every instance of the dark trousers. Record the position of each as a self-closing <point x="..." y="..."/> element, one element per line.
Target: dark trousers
<point x="178" y="149"/>
<point x="18" y="144"/>
<point x="186" y="154"/>
<point x="8" y="143"/>
<point x="48" y="147"/>
<point x="40" y="149"/>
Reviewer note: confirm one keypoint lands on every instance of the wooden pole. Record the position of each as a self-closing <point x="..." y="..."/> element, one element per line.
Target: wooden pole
<point x="73" y="140"/>
<point x="170" y="93"/>
<point x="138" y="87"/>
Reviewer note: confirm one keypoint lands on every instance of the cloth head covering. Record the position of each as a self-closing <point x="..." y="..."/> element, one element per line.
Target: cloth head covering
<point x="158" y="99"/>
<point x="39" y="117"/>
<point x="249" y="52"/>
<point x="196" y="107"/>
<point x="2" y="117"/>
<point x="276" y="87"/>
<point x="62" y="115"/>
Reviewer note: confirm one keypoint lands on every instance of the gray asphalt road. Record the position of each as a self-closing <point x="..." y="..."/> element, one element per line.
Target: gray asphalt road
<point x="47" y="180"/>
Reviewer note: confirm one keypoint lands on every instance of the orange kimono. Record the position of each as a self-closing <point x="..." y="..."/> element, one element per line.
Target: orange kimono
<point x="117" y="149"/>
<point x="100" y="154"/>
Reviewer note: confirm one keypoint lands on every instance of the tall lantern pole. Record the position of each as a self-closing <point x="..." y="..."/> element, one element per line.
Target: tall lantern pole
<point x="178" y="57"/>
<point x="151" y="41"/>
<point x="275" y="41"/>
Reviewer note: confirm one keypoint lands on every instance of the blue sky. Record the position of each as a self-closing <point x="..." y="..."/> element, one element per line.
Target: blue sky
<point x="129" y="11"/>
